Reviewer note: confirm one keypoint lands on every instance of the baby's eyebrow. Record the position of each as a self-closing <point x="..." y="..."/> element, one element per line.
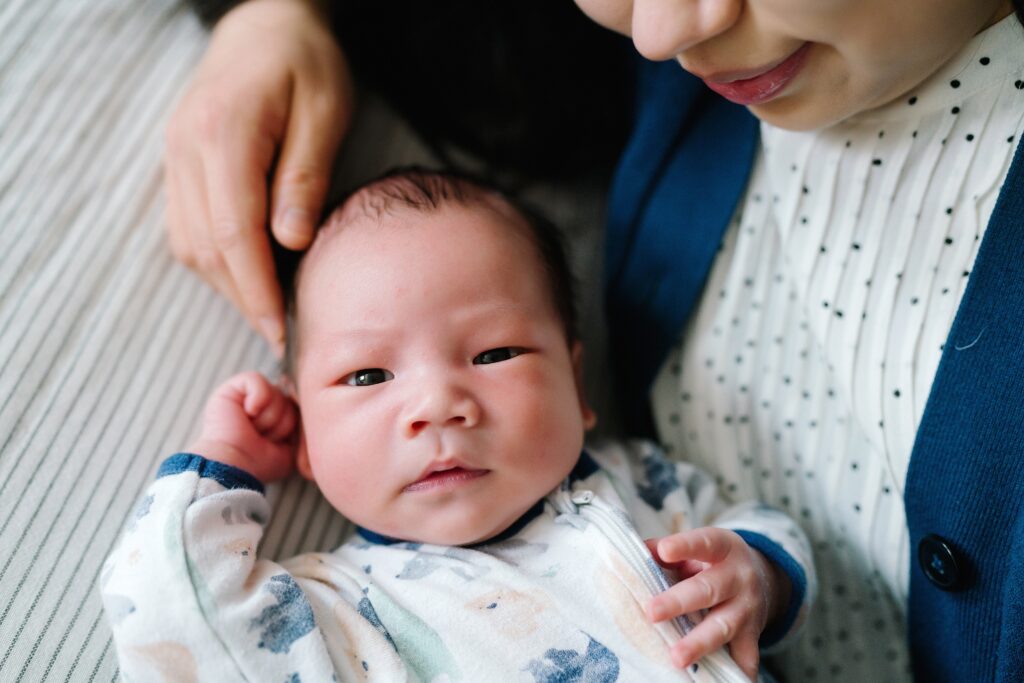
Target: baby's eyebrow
<point x="373" y="336"/>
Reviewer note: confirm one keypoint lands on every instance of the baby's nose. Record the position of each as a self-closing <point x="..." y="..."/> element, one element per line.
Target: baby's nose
<point x="442" y="407"/>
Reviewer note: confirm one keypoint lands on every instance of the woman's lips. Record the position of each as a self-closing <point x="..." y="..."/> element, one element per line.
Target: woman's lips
<point x="761" y="86"/>
<point x="445" y="479"/>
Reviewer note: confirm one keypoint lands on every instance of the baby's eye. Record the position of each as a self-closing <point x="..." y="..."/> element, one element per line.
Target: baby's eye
<point x="497" y="355"/>
<point x="367" y="376"/>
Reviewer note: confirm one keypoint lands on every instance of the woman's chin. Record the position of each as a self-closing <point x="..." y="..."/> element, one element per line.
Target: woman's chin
<point x="796" y="113"/>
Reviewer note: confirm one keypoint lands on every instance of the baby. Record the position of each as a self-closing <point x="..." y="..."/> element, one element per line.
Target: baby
<point x="434" y="358"/>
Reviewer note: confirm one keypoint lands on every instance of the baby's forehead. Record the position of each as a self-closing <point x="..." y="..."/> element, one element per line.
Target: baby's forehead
<point x="359" y="231"/>
<point x="369" y="216"/>
<point x="388" y="227"/>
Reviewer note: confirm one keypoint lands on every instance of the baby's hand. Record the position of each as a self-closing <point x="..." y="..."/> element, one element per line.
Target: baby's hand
<point x="250" y="423"/>
<point x="724" y="575"/>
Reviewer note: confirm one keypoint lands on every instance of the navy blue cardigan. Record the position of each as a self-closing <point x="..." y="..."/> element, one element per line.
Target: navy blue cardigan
<point x="678" y="183"/>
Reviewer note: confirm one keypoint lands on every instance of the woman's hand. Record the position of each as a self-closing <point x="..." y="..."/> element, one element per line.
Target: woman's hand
<point x="270" y="102"/>
<point x="250" y="424"/>
<point x="739" y="587"/>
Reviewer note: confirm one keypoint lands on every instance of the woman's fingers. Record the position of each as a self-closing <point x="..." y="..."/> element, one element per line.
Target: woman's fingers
<point x="177" y="231"/>
<point x="228" y="132"/>
<point x="235" y="172"/>
<point x="188" y="217"/>
<point x="316" y="123"/>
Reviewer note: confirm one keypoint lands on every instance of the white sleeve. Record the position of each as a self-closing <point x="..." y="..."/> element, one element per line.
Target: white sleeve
<point x="670" y="496"/>
<point x="188" y="600"/>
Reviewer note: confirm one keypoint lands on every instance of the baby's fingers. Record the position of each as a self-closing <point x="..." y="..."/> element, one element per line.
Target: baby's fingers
<point x="683" y="570"/>
<point x="278" y="422"/>
<point x="746" y="654"/>
<point x="267" y="406"/>
<point x="253" y="391"/>
<point x="702" y="591"/>
<point x="707" y="544"/>
<point x="719" y="627"/>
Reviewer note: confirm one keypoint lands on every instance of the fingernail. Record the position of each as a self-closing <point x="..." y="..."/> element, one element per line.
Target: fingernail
<point x="655" y="611"/>
<point x="273" y="330"/>
<point x="295" y="225"/>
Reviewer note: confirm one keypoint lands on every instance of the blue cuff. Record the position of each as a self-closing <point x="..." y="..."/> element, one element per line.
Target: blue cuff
<point x="797" y="578"/>
<point x="228" y="476"/>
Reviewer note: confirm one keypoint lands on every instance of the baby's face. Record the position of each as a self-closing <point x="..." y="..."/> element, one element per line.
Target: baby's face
<point x="440" y="399"/>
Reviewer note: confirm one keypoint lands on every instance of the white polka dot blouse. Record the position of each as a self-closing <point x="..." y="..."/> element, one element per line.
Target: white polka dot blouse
<point x="803" y="374"/>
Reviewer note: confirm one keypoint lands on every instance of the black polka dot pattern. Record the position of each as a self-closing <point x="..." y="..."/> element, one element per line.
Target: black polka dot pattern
<point x="822" y="323"/>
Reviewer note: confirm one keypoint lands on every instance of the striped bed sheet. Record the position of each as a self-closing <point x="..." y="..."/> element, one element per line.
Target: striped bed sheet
<point x="108" y="348"/>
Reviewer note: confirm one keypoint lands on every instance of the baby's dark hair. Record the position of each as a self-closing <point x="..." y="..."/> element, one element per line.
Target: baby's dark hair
<point x="425" y="191"/>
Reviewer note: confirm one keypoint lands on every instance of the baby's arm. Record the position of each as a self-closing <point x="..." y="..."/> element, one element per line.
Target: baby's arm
<point x="184" y="593"/>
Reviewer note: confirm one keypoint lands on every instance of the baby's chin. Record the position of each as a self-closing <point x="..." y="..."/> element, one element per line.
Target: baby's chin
<point x="441" y="533"/>
<point x="452" y="537"/>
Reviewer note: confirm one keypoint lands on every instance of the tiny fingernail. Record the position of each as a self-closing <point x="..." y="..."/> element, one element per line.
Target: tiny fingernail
<point x="294" y="224"/>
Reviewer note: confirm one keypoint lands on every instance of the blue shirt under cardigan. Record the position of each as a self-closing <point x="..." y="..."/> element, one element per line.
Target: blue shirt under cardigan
<point x="678" y="183"/>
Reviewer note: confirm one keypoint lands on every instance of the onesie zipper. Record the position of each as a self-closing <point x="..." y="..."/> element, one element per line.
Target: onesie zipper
<point x="617" y="528"/>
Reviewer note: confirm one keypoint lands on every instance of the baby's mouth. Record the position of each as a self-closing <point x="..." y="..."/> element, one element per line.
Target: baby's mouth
<point x="445" y="478"/>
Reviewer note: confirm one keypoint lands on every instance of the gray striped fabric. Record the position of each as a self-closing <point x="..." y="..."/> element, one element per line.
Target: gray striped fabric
<point x="108" y="347"/>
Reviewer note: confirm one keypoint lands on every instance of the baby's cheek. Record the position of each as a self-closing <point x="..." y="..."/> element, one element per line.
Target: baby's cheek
<point x="340" y="479"/>
<point x="553" y="405"/>
<point x="349" y="498"/>
<point x="553" y="425"/>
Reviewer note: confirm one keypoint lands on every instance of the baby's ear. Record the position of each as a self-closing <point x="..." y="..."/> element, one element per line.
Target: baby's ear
<point x="588" y="414"/>
<point x="287" y="385"/>
<point x="302" y="456"/>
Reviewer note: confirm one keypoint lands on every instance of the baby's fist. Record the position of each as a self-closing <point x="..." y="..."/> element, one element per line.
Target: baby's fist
<point x="250" y="423"/>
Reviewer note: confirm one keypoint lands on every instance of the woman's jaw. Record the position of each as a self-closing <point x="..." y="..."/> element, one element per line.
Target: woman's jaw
<point x="803" y="64"/>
